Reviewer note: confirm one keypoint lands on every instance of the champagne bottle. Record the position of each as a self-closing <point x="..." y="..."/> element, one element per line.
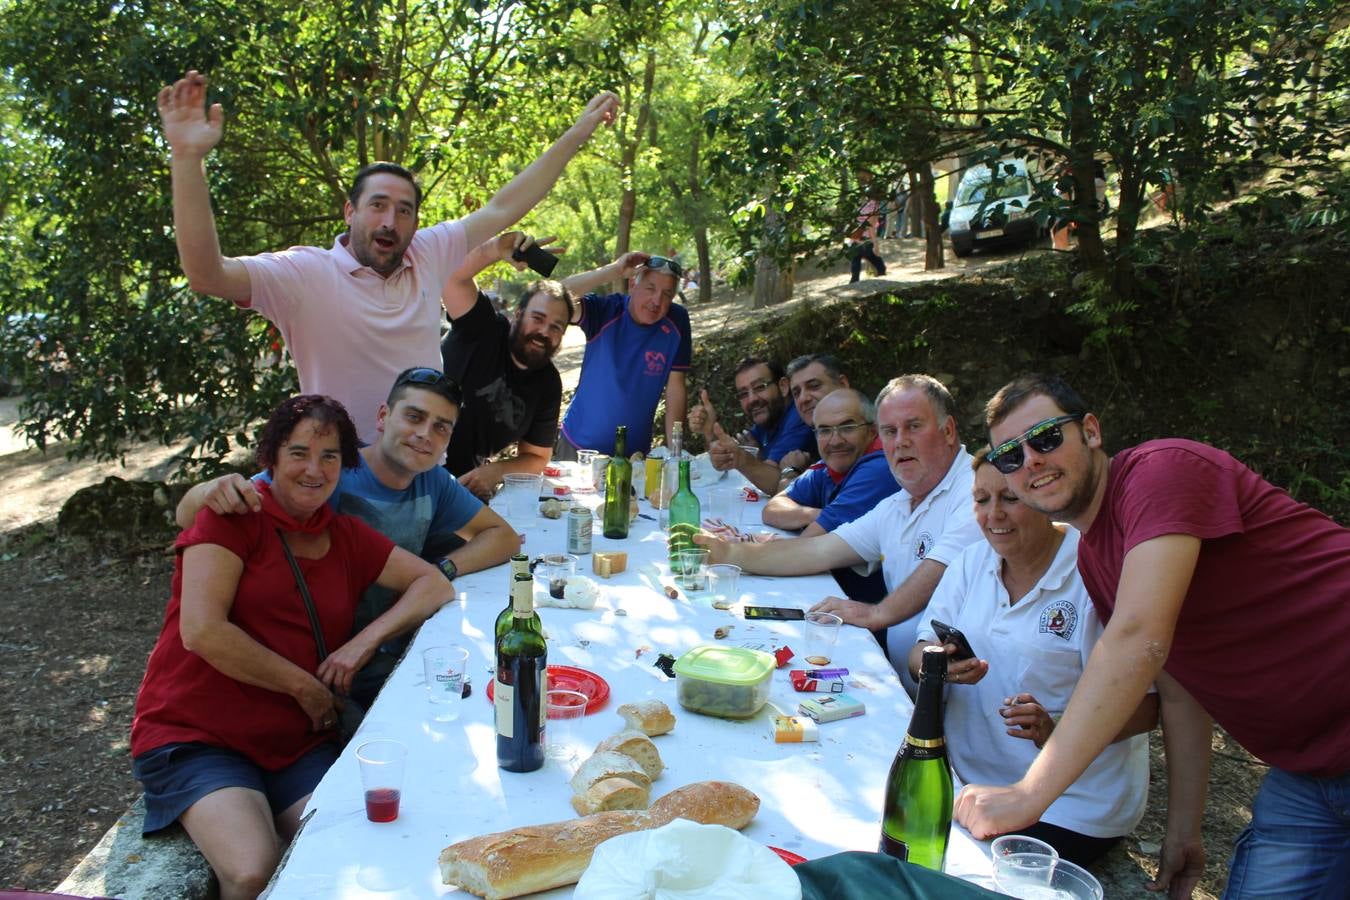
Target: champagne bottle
<point x="521" y="581"/>
<point x="521" y="687"/>
<point x="917" y="816"/>
<point x="685" y="517"/>
<point x="618" y="487"/>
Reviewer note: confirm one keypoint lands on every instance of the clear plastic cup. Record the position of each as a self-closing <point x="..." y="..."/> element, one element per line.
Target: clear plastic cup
<point x="585" y="474"/>
<point x="521" y="491"/>
<point x="445" y="669"/>
<point x="554" y="571"/>
<point x="382" y="764"/>
<point x="1023" y="866"/>
<point x="723" y="585"/>
<point x="822" y="631"/>
<point x="690" y="568"/>
<point x="562" y="738"/>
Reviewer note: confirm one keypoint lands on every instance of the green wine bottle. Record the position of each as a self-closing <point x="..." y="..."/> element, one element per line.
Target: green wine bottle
<point x="522" y="581"/>
<point x="917" y="815"/>
<point x="518" y="694"/>
<point x="685" y="517"/>
<point x="618" y="487"/>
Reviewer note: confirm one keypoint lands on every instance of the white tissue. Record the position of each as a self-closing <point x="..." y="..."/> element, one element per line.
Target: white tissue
<point x="686" y="861"/>
<point x="580" y="593"/>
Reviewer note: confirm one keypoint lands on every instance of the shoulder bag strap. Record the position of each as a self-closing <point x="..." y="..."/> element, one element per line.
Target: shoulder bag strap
<point x="304" y="595"/>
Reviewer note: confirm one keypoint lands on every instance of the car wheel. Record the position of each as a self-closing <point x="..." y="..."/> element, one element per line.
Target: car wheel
<point x="962" y="248"/>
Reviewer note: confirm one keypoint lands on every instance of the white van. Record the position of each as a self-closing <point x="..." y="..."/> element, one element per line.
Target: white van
<point x="990" y="207"/>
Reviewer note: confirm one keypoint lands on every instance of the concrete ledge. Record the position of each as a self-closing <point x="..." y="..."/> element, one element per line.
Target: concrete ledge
<point x="127" y="866"/>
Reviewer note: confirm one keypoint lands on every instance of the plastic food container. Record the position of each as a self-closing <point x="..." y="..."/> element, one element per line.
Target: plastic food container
<point x="730" y="682"/>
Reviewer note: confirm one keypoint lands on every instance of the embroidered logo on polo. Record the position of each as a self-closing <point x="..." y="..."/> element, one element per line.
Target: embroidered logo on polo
<point x="656" y="362"/>
<point x="1060" y="619"/>
<point x="923" y="545"/>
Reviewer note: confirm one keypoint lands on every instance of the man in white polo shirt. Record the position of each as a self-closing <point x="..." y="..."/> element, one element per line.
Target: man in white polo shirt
<point x="355" y="315"/>
<point x="915" y="533"/>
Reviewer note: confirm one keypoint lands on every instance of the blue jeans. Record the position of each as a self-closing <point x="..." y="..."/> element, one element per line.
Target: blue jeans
<point x="1298" y="843"/>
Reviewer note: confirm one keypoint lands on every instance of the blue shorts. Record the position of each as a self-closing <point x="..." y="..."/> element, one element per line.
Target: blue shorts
<point x="176" y="776"/>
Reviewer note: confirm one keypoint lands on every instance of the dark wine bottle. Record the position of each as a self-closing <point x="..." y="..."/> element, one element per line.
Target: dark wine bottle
<point x="521" y="688"/>
<point x="618" y="487"/>
<point x="520" y="565"/>
<point x="917" y="816"/>
<point x="522" y="581"/>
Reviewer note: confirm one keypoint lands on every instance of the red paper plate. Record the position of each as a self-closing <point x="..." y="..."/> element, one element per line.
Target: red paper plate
<point x="570" y="678"/>
<point x="788" y="856"/>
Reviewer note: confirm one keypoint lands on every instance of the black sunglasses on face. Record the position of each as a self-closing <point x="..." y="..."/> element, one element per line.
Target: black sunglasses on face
<point x="1043" y="437"/>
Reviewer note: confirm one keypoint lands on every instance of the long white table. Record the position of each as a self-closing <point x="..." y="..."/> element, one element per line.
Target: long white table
<point x="816" y="798"/>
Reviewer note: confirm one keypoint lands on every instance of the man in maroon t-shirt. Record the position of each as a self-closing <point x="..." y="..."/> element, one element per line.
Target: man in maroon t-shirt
<point x="1233" y="598"/>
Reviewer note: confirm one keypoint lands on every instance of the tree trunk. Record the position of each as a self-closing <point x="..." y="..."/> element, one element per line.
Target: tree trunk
<point x="704" y="264"/>
<point x="932" y="253"/>
<point x="1081" y="148"/>
<point x="628" y="159"/>
<point x="773" y="283"/>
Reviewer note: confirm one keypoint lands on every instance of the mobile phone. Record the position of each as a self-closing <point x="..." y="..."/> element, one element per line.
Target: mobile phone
<point x="537" y="258"/>
<point x="782" y="613"/>
<point x="949" y="635"/>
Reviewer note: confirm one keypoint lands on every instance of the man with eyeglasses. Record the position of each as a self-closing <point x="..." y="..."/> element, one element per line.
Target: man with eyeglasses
<point x="851" y="478"/>
<point x="512" y="390"/>
<point x="811" y="378"/>
<point x="353" y="315"/>
<point x="914" y="533"/>
<point x="775" y="428"/>
<point x="638" y="346"/>
<point x="1230" y="595"/>
<point x="400" y="489"/>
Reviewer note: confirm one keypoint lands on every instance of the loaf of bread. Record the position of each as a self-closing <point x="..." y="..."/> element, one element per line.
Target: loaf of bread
<point x="651" y="717"/>
<point x="608" y="764"/>
<point x="611" y="793"/>
<point x="636" y="746"/>
<point x="539" y="857"/>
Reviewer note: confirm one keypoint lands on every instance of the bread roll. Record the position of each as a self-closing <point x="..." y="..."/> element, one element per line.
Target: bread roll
<point x="636" y="746"/>
<point x="611" y="793"/>
<point x="608" y="764"/>
<point x="651" y="717"/>
<point x="539" y="857"/>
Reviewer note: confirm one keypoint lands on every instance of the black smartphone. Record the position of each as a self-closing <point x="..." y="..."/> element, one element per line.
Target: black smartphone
<point x="537" y="258"/>
<point x="782" y="613"/>
<point x="949" y="635"/>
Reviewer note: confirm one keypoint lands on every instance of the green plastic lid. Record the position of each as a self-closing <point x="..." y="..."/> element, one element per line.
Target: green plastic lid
<point x="726" y="665"/>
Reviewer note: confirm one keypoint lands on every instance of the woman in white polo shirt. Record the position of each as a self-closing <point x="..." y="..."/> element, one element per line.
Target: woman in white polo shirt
<point x="1017" y="598"/>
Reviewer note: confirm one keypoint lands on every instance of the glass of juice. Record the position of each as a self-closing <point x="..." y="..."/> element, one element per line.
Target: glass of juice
<point x="382" y="764"/>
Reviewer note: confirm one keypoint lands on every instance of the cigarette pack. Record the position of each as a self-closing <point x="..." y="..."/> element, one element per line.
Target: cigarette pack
<point x="803" y="680"/>
<point x="794" y="730"/>
<point x="831" y="707"/>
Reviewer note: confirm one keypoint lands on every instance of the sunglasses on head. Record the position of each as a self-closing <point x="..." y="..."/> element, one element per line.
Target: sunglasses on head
<point x="1043" y="437"/>
<point x="428" y="376"/>
<point x="664" y="264"/>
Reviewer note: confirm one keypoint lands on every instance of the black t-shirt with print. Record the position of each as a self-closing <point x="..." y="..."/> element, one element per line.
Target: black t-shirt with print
<point x="502" y="402"/>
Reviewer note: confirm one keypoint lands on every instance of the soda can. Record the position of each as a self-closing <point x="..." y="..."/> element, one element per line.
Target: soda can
<point x="579" y="530"/>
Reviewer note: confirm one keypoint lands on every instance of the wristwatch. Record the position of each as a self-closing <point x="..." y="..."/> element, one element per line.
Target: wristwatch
<point x="448" y="568"/>
<point x="791" y="471"/>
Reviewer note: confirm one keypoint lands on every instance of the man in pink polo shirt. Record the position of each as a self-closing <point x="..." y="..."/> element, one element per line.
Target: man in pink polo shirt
<point x="355" y="315"/>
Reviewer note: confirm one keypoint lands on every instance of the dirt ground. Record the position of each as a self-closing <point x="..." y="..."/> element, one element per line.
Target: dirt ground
<point x="78" y="620"/>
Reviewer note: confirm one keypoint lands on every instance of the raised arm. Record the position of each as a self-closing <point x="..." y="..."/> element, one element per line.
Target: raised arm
<point x="621" y="269"/>
<point x="461" y="288"/>
<point x="1128" y="657"/>
<point x="522" y="193"/>
<point x="192" y="131"/>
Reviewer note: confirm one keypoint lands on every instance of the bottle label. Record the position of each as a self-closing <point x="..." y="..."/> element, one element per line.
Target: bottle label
<point x="925" y="748"/>
<point x="502" y="697"/>
<point x="891" y="847"/>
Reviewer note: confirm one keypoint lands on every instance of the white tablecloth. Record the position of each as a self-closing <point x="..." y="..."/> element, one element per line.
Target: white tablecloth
<point x="816" y="798"/>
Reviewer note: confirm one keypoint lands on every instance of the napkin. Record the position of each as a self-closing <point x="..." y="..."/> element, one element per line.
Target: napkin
<point x="581" y="593"/>
<point x="686" y="861"/>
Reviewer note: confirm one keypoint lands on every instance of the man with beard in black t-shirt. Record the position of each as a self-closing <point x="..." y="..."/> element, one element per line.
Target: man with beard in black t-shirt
<point x="512" y="392"/>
